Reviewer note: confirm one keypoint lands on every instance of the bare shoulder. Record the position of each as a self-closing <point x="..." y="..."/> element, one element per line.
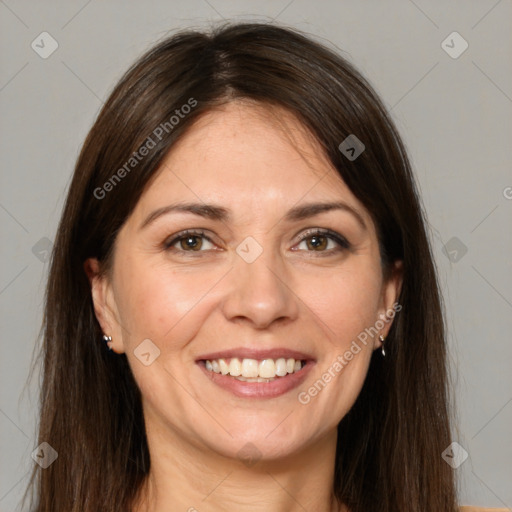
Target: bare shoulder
<point x="468" y="508"/>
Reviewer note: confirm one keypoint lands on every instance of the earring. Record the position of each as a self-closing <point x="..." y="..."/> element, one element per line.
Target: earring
<point x="107" y="340"/>
<point x="381" y="338"/>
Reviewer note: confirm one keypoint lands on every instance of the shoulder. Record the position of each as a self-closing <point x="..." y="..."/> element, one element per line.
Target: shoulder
<point x="468" y="508"/>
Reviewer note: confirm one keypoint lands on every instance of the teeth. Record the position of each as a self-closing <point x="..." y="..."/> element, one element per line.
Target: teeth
<point x="257" y="379"/>
<point x="281" y="370"/>
<point x="235" y="367"/>
<point x="224" y="368"/>
<point x="249" y="368"/>
<point x="267" y="368"/>
<point x="253" y="370"/>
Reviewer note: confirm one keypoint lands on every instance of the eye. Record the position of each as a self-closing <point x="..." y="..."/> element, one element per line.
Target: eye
<point x="189" y="241"/>
<point x="317" y="240"/>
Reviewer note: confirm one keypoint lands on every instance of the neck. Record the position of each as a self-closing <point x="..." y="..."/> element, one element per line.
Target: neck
<point x="189" y="477"/>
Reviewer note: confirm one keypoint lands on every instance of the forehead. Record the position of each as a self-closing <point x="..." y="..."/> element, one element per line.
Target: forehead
<point x="250" y="157"/>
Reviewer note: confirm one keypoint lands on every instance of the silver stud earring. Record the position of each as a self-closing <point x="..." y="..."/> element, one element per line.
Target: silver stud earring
<point x="107" y="340"/>
<point x="381" y="338"/>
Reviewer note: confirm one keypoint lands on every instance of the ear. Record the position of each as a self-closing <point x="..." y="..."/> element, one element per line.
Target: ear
<point x="389" y="306"/>
<point x="105" y="307"/>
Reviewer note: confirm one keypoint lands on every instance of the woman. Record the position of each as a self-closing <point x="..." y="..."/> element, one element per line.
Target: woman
<point x="242" y="310"/>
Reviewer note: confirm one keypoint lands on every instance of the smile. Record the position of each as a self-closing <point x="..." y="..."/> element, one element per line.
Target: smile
<point x="255" y="385"/>
<point x="254" y="370"/>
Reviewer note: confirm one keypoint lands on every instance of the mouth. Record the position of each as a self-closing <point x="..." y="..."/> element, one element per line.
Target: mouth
<point x="259" y="376"/>
<point x="254" y="370"/>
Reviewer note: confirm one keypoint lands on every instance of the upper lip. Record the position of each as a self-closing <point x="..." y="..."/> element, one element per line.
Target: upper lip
<point x="254" y="353"/>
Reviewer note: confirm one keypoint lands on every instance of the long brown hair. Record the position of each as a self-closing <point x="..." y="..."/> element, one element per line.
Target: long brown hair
<point x="390" y="443"/>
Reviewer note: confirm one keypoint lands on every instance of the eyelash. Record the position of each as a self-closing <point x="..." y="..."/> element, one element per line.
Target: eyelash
<point x="327" y="233"/>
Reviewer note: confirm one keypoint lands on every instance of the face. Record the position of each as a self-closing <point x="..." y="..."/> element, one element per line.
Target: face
<point x="257" y="277"/>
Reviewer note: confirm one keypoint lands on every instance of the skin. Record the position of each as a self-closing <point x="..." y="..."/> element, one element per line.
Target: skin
<point x="259" y="164"/>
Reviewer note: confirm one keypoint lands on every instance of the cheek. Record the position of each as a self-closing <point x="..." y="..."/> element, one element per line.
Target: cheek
<point x="347" y="302"/>
<point x="344" y="362"/>
<point x="347" y="307"/>
<point x="159" y="303"/>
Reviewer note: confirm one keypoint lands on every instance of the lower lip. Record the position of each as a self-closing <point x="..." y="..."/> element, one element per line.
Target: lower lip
<point x="275" y="388"/>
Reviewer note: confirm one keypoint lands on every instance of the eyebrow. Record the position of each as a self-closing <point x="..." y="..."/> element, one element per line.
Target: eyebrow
<point x="215" y="212"/>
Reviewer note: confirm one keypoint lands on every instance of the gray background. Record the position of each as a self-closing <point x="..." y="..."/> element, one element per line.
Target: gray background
<point x="454" y="115"/>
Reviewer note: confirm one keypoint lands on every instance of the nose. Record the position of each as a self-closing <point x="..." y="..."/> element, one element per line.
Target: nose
<point x="261" y="292"/>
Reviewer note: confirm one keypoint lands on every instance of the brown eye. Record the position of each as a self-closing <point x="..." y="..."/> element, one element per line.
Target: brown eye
<point x="188" y="241"/>
<point x="318" y="241"/>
